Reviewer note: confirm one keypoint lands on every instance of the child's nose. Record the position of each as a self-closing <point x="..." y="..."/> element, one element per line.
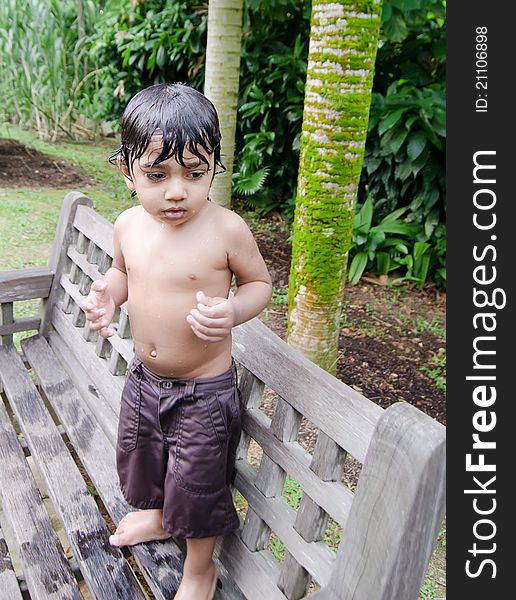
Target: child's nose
<point x="175" y="189"/>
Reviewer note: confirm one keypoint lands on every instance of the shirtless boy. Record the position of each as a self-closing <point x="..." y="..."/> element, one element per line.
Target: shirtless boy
<point x="174" y="258"/>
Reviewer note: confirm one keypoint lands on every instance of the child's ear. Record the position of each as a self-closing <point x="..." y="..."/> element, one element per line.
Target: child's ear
<point x="127" y="176"/>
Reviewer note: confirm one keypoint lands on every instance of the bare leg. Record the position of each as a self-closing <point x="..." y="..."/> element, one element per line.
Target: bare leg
<point x="138" y="527"/>
<point x="199" y="574"/>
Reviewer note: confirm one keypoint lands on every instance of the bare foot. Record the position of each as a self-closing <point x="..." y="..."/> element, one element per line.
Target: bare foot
<point x="138" y="527"/>
<point x="198" y="587"/>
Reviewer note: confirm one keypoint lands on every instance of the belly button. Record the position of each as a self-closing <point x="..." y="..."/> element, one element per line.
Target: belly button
<point x="153" y="354"/>
<point x="192" y="276"/>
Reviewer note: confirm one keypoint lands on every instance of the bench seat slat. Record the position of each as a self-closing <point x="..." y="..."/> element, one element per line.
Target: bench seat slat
<point x="8" y="581"/>
<point x="107" y="573"/>
<point x="46" y="570"/>
<point x="334" y="497"/>
<point x="91" y="396"/>
<point x="98" y="457"/>
<point x="315" y="557"/>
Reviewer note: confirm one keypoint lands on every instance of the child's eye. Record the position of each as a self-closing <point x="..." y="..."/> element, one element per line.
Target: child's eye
<point x="155" y="176"/>
<point x="196" y="174"/>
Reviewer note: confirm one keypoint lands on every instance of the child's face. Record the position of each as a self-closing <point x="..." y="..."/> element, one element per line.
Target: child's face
<point x="170" y="192"/>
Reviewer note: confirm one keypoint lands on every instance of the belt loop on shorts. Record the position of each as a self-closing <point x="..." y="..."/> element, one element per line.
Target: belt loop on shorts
<point x="136" y="368"/>
<point x="189" y="391"/>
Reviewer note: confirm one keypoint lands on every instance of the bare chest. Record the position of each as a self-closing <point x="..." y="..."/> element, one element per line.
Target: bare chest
<point x="177" y="265"/>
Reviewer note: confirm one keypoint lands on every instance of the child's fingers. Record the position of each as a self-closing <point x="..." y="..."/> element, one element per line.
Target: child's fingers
<point x="207" y="321"/>
<point x="209" y="334"/>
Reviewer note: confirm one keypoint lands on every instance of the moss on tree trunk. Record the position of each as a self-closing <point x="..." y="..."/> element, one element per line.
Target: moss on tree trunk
<point x="343" y="44"/>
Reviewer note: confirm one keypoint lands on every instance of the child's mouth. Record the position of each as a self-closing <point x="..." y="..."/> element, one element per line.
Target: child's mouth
<point x="175" y="213"/>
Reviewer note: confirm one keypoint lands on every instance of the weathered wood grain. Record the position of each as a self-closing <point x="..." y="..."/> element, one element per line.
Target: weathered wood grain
<point x="47" y="572"/>
<point x="7" y="316"/>
<point x="255" y="573"/>
<point x="397" y="510"/>
<point x="95" y="228"/>
<point x="343" y="414"/>
<point x="102" y="410"/>
<point x="110" y="387"/>
<point x="58" y="259"/>
<point x="25" y="284"/>
<point x="98" y="457"/>
<point x="21" y="324"/>
<point x="333" y="496"/>
<point x="315" y="557"/>
<point x="104" y="568"/>
<point x="9" y="588"/>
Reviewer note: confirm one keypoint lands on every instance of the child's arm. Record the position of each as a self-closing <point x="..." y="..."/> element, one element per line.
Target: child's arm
<point x="214" y="318"/>
<point x="107" y="294"/>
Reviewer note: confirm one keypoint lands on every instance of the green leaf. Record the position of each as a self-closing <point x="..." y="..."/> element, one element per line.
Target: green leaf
<point x="419" y="249"/>
<point x="364" y="216"/>
<point x="396" y="29"/>
<point x="392" y="141"/>
<point x="250" y="184"/>
<point x="358" y="264"/>
<point x="394" y="215"/>
<point x="390" y="120"/>
<point x="383" y="263"/>
<point x="401" y="228"/>
<point x="416" y="144"/>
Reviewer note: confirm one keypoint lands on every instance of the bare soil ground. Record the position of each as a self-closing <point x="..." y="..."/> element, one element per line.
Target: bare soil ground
<point x="21" y="166"/>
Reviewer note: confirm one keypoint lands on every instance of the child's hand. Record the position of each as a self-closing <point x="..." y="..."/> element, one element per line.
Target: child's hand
<point x="213" y="319"/>
<point x="99" y="308"/>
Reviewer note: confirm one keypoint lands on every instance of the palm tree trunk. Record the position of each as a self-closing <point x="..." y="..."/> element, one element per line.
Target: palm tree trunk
<point x="221" y="83"/>
<point x="342" y="52"/>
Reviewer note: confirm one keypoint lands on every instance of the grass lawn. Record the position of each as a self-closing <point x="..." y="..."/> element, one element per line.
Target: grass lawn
<point x="28" y="216"/>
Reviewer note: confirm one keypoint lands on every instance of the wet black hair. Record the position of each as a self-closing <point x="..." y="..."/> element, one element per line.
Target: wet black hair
<point x="184" y="117"/>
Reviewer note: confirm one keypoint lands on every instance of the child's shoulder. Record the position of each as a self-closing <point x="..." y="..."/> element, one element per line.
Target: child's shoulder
<point x="227" y="219"/>
<point x="128" y="216"/>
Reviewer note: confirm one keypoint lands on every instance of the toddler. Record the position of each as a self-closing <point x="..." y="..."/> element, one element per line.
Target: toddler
<point x="175" y="255"/>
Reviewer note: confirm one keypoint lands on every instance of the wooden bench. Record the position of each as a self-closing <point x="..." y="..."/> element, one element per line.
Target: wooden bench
<point x="59" y="412"/>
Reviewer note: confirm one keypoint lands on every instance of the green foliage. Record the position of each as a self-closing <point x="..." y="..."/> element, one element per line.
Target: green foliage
<point x="270" y="113"/>
<point x="392" y="244"/>
<point x="142" y="43"/>
<point x="47" y="78"/>
<point x="404" y="161"/>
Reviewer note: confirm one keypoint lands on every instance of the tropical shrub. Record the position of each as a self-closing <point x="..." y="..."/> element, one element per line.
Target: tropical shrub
<point x="270" y="113"/>
<point x="404" y="161"/>
<point x="47" y="79"/>
<point x="142" y="43"/>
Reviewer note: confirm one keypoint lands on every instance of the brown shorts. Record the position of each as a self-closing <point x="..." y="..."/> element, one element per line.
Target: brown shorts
<point x="176" y="449"/>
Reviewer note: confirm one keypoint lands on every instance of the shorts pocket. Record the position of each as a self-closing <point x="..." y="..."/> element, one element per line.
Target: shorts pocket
<point x="202" y="446"/>
<point x="129" y="418"/>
